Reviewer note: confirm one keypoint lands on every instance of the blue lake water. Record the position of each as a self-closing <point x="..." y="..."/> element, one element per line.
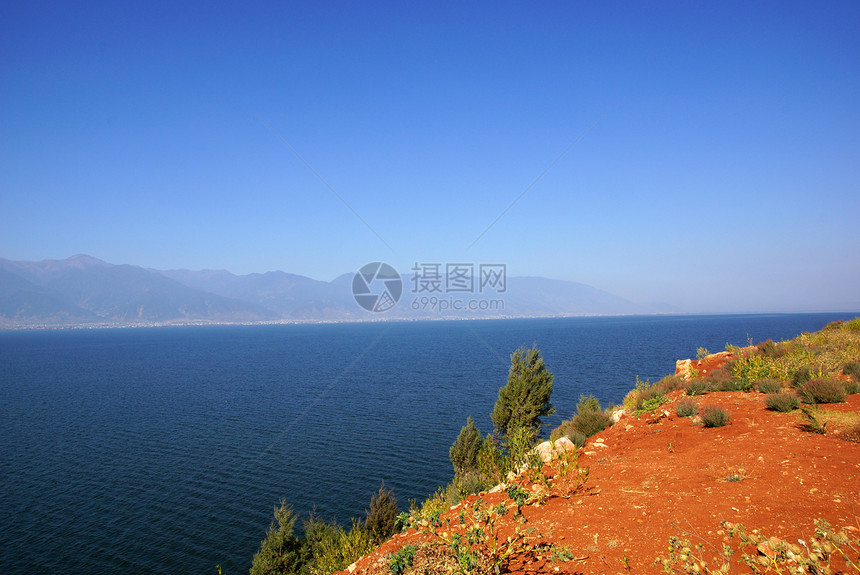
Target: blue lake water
<point x="164" y="450"/>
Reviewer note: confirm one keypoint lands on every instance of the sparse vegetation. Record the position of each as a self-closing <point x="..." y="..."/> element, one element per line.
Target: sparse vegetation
<point x="402" y="560"/>
<point x="763" y="554"/>
<point x="768" y="386"/>
<point x="822" y="391"/>
<point x="577" y="438"/>
<point x="686" y="408"/>
<point x="852" y="368"/>
<point x="715" y="416"/>
<point x="588" y="420"/>
<point x="732" y="385"/>
<point x="811" y="421"/>
<point x="646" y="397"/>
<point x="697" y="387"/>
<point x="784" y="401"/>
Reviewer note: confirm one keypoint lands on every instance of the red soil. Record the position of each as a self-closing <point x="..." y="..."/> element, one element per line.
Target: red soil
<point x="660" y="475"/>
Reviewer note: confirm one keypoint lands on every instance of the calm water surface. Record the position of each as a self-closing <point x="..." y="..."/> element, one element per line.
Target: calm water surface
<point x="164" y="450"/>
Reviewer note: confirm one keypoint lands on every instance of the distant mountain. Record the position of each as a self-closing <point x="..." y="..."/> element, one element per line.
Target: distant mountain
<point x="25" y="303"/>
<point x="83" y="290"/>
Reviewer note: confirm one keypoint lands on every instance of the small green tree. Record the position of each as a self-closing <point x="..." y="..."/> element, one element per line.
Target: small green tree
<point x="464" y="452"/>
<point x="279" y="552"/>
<point x="382" y="515"/>
<point x="526" y="397"/>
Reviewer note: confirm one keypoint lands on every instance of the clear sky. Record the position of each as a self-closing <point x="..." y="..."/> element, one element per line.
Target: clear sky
<point x="712" y="148"/>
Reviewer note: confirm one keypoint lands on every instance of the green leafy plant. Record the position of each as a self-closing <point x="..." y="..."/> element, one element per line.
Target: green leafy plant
<point x="784" y="401"/>
<point x="702" y="352"/>
<point x="686" y="408"/>
<point x="752" y="367"/>
<point x="401" y="560"/>
<point x="715" y="416"/>
<point x="651" y="404"/>
<point x="852" y="387"/>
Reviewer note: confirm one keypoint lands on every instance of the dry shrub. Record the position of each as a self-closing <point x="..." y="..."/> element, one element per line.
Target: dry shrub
<point x="822" y="390"/>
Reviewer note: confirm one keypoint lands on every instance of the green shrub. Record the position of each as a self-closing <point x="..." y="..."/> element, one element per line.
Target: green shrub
<point x="280" y="550"/>
<point x="577" y="438"/>
<point x="464" y="452"/>
<point x="525" y="399"/>
<point x="667" y="384"/>
<point x="686" y="408"/>
<point x="852" y="369"/>
<point x="822" y="391"/>
<point x="715" y="416"/>
<point x="852" y="387"/>
<point x="697" y="387"/>
<point x="784" y="401"/>
<point x="734" y="385"/>
<point x="801" y="376"/>
<point x="853" y="325"/>
<point x="469" y="483"/>
<point x="651" y="404"/>
<point x="768" y="348"/>
<point x="768" y="386"/>
<point x="590" y="422"/>
<point x="642" y="392"/>
<point x="381" y="518"/>
<point x="587" y="403"/>
<point x="328" y="547"/>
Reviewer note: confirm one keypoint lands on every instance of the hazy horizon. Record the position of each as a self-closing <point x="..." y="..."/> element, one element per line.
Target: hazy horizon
<point x="703" y="156"/>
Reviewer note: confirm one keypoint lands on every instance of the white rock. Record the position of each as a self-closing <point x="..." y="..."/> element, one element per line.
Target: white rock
<point x="616" y="415"/>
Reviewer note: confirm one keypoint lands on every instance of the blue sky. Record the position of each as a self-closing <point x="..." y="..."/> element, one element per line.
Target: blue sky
<point x="715" y="162"/>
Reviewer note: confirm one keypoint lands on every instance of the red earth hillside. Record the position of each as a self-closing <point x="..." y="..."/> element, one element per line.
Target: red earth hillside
<point x="660" y="475"/>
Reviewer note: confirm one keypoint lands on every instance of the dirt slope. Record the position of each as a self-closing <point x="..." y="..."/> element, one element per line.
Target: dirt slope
<point x="660" y="475"/>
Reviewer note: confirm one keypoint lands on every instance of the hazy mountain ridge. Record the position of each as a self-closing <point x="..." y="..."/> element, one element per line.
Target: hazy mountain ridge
<point x="83" y="290"/>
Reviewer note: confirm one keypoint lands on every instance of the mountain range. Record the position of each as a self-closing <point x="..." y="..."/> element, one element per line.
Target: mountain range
<point x="85" y="291"/>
